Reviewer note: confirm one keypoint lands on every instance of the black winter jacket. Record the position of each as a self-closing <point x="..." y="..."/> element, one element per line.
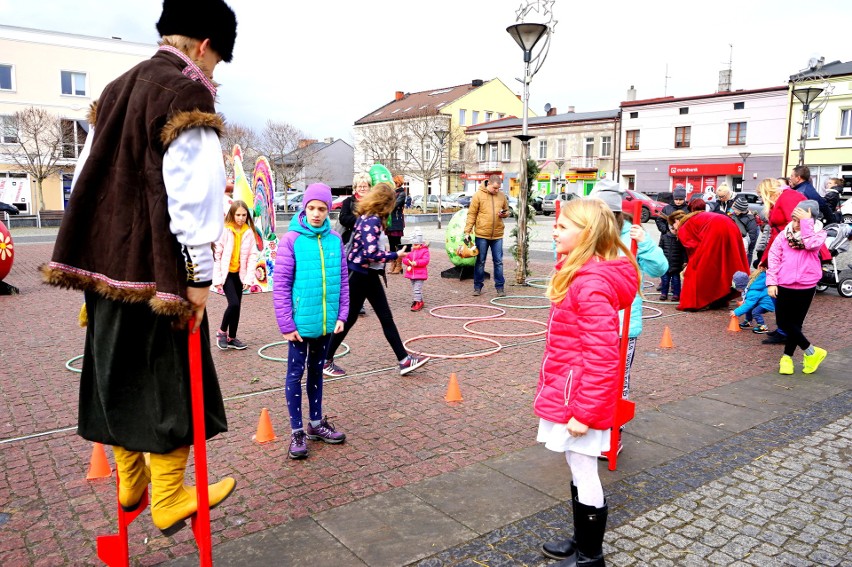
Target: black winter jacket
<point x="674" y="252"/>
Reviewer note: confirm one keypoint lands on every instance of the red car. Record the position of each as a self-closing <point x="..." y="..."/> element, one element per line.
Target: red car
<point x="650" y="207"/>
<point x="338" y="201"/>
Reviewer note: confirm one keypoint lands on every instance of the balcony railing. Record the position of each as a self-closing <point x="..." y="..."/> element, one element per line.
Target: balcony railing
<point x="489" y="166"/>
<point x="584" y="163"/>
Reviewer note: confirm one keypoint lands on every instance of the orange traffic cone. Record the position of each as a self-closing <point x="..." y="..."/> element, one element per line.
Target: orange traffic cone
<point x="666" y="341"/>
<point x="734" y="324"/>
<point x="264" y="428"/>
<point x="98" y="464"/>
<point x="453" y="391"/>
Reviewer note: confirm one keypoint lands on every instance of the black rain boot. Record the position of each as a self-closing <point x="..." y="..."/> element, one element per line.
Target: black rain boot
<point x="564" y="548"/>
<point x="589" y="529"/>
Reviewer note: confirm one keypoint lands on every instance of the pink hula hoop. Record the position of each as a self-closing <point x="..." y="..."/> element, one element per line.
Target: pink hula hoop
<point x="468" y="337"/>
<point x="513" y="335"/>
<point x="432" y="313"/>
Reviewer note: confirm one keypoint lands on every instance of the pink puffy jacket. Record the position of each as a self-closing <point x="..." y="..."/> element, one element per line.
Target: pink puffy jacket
<point x="420" y="256"/>
<point x="579" y="371"/>
<point x="224" y="248"/>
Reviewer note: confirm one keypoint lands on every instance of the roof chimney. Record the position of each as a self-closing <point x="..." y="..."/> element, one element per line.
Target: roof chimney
<point x="570" y="109"/>
<point x="399" y="95"/>
<point x="724" y="81"/>
<point x="329" y="140"/>
<point x="476" y="83"/>
<point x="631" y="93"/>
<point x="552" y="111"/>
<point x="305" y="143"/>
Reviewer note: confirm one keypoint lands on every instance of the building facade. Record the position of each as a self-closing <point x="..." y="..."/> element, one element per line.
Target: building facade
<point x="827" y="148"/>
<point x="402" y="134"/>
<point x="62" y="74"/>
<point x="321" y="162"/>
<point x="573" y="150"/>
<point x="734" y="137"/>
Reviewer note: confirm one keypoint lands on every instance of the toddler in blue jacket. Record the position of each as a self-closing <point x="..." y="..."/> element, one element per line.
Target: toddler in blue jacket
<point x="756" y="300"/>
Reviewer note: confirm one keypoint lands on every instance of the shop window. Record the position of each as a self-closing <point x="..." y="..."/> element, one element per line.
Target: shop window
<point x="682" y="134"/>
<point x="737" y="134"/>
<point x="631" y="140"/>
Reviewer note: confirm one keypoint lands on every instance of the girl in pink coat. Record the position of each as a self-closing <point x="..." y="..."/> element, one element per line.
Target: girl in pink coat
<point x="416" y="268"/>
<point x="234" y="261"/>
<point x="579" y="381"/>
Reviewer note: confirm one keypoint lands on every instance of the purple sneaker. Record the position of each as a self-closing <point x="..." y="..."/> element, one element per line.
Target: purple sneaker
<point x="298" y="445"/>
<point x="411" y="362"/>
<point x="325" y="432"/>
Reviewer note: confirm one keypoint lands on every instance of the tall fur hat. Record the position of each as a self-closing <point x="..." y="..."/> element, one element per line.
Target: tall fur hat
<point x="201" y="19"/>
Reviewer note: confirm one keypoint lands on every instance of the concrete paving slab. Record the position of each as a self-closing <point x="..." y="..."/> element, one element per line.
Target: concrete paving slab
<point x="639" y="454"/>
<point x="750" y="395"/>
<point x="675" y="432"/>
<point x="803" y="386"/>
<point x="717" y="413"/>
<point x="536" y="467"/>
<point x="393" y="528"/>
<point x="481" y="498"/>
<point x="289" y="544"/>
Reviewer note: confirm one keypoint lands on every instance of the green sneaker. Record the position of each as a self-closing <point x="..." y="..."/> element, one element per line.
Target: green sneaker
<point x="812" y="361"/>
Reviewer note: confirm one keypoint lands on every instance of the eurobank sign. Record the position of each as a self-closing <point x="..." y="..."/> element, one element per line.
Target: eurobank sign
<point x="702" y="169"/>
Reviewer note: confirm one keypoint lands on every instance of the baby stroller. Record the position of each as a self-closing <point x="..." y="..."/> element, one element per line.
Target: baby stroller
<point x="838" y="241"/>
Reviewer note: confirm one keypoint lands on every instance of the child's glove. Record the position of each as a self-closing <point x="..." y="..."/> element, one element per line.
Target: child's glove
<point x="408" y="268"/>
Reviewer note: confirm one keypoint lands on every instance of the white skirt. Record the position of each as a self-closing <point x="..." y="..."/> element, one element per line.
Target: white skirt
<point x="555" y="437"/>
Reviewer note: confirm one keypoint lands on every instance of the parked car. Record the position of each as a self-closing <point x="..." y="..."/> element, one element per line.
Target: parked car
<point x="338" y="202"/>
<point x="755" y="205"/>
<point x="650" y="207"/>
<point x="464" y="200"/>
<point x="6" y="208"/>
<point x="536" y="203"/>
<point x="294" y="202"/>
<point x="431" y="203"/>
<point x="291" y="195"/>
<point x="548" y="204"/>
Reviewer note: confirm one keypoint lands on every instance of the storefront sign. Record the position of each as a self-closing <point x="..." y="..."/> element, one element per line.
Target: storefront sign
<point x="479" y="176"/>
<point x="701" y="169"/>
<point x="574" y="177"/>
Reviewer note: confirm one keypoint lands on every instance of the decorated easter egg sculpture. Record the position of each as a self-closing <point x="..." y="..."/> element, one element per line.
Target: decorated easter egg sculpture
<point x="7" y="251"/>
<point x="454" y="237"/>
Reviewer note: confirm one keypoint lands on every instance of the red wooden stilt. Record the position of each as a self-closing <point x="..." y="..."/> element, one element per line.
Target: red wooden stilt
<point x="113" y="549"/>
<point x="624" y="409"/>
<point x="200" y="520"/>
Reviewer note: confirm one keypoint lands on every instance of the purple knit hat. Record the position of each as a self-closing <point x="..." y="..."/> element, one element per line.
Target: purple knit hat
<point x="317" y="192"/>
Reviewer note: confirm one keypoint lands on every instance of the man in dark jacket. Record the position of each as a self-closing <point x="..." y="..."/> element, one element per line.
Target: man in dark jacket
<point x="800" y="180"/>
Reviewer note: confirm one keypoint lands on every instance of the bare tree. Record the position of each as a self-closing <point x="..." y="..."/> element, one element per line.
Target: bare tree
<point x="246" y="137"/>
<point x="277" y="141"/>
<point x="38" y="146"/>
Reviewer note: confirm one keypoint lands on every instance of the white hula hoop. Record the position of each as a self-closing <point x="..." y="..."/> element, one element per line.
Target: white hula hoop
<point x="72" y="368"/>
<point x="659" y="312"/>
<point x="513" y="335"/>
<point x="432" y="312"/>
<point x="497" y="300"/>
<point x="276" y="359"/>
<point x="533" y="282"/>
<point x="467" y="337"/>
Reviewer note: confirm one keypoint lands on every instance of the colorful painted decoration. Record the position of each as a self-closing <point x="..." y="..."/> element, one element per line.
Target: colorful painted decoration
<point x="7" y="251"/>
<point x="454" y="237"/>
<point x="242" y="187"/>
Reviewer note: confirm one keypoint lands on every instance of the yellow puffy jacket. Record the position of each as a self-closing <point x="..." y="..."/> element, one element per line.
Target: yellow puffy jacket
<point x="483" y="215"/>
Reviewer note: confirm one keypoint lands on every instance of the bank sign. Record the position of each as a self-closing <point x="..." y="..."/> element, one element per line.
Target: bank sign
<point x="706" y="169"/>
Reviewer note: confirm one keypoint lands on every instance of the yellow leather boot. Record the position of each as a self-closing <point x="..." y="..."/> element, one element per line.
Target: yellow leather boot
<point x="133" y="477"/>
<point x="172" y="501"/>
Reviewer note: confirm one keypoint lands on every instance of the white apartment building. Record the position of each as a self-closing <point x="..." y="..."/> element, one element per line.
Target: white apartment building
<point x="62" y="73"/>
<point x="734" y="137"/>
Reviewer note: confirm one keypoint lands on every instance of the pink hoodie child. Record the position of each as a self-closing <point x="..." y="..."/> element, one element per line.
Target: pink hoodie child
<point x="416" y="268"/>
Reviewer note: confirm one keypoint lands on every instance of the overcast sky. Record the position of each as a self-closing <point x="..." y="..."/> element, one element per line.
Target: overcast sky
<point x="321" y="65"/>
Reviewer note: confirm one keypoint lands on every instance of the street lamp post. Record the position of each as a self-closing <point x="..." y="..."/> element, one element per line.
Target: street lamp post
<point x="744" y="155"/>
<point x="806" y="96"/>
<point x="527" y="35"/>
<point x="441" y="136"/>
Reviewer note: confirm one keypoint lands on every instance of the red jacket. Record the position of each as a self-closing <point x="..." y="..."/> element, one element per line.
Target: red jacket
<point x="579" y="371"/>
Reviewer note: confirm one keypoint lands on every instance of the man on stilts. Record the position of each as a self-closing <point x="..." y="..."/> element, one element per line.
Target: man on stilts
<point x="136" y="238"/>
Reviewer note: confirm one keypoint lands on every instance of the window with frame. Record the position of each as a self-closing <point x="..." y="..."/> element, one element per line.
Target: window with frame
<point x="684" y="110"/>
<point x="560" y="148"/>
<point x="606" y="146"/>
<point x="462" y="116"/>
<point x="739" y="105"/>
<point x="73" y="138"/>
<point x="461" y="151"/>
<point x="480" y="152"/>
<point x="492" y="152"/>
<point x="590" y="147"/>
<point x="542" y="149"/>
<point x="813" y="124"/>
<point x="846" y="122"/>
<point x="682" y="135"/>
<point x="631" y="140"/>
<point x="73" y="83"/>
<point x="427" y="153"/>
<point x="7" y="78"/>
<point x="8" y="130"/>
<point x="474" y="117"/>
<point x="737" y="134"/>
<point x="488" y="116"/>
<point x="634" y="115"/>
<point x="506" y="150"/>
<point x="500" y="115"/>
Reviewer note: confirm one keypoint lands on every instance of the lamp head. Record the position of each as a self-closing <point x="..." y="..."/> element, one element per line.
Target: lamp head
<point x="808" y="95"/>
<point x="527" y="36"/>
